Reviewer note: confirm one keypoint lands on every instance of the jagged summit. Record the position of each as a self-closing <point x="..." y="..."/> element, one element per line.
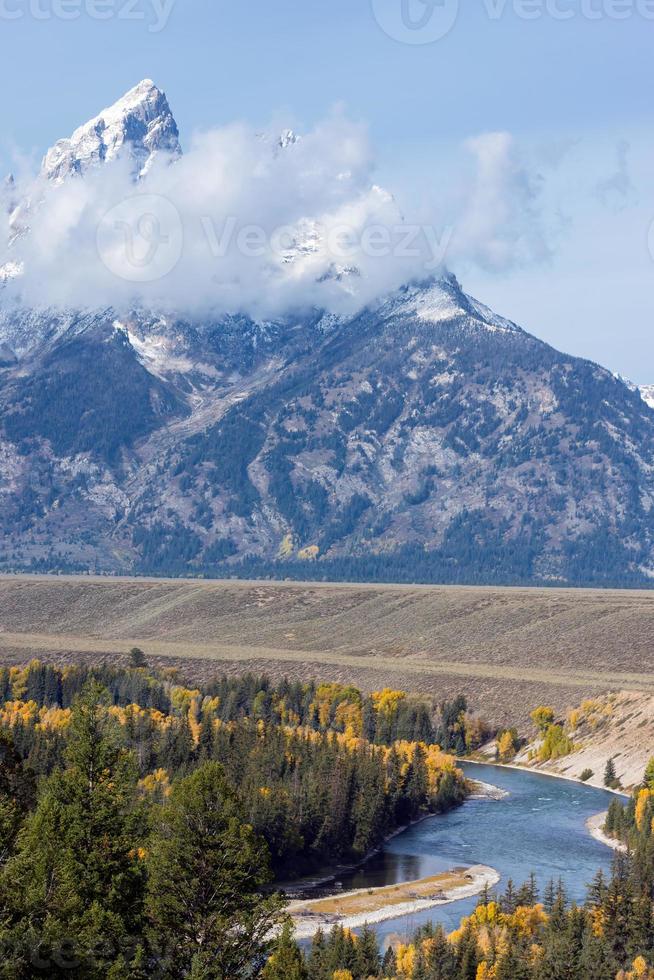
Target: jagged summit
<point x="140" y="124"/>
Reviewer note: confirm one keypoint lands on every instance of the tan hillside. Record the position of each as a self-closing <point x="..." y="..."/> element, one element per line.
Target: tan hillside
<point x="618" y="726"/>
<point x="507" y="649"/>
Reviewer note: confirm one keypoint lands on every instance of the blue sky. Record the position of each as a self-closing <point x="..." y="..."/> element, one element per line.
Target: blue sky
<point x="575" y="94"/>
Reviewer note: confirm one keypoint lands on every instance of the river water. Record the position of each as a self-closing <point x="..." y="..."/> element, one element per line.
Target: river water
<point x="539" y="827"/>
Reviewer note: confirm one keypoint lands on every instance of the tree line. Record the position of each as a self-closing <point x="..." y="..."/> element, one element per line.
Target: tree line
<point x="381" y="717"/>
<point x="145" y="839"/>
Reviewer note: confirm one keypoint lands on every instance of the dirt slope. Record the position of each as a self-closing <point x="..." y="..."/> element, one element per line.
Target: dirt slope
<point x="508" y="649"/>
<point x="620" y="726"/>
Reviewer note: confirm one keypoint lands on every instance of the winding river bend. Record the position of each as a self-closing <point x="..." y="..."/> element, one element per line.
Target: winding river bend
<point x="539" y="827"/>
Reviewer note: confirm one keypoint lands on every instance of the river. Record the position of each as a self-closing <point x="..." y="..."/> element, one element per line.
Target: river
<point x="539" y="827"/>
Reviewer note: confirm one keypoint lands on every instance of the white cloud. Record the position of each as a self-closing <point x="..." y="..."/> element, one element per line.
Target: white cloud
<point x="501" y="225"/>
<point x="618" y="191"/>
<point x="241" y="224"/>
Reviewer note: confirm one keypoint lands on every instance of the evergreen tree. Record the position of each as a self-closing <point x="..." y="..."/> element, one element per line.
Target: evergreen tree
<point x="367" y="954"/>
<point x="420" y="965"/>
<point x="527" y="894"/>
<point x="441" y="958"/>
<point x="597" y="890"/>
<point x="206" y="741"/>
<point x="468" y="955"/>
<point x="137" y="657"/>
<point x="617" y="908"/>
<point x="549" y="897"/>
<point x="286" y="961"/>
<point x="340" y="951"/>
<point x="317" y="961"/>
<point x="206" y="871"/>
<point x="512" y="963"/>
<point x="508" y="902"/>
<point x="368" y="724"/>
<point x="596" y="961"/>
<point x="17" y="794"/>
<point x="610" y="775"/>
<point x="389" y="963"/>
<point x="74" y="889"/>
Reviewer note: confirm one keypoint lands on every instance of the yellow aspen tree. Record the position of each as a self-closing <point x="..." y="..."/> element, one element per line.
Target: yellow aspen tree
<point x="505" y="746"/>
<point x="405" y="959"/>
<point x="542" y="718"/>
<point x="641" y="808"/>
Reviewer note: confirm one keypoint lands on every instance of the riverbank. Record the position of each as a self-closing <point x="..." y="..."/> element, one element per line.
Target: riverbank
<point x="595" y="826"/>
<point x="370" y="905"/>
<point x="542" y="772"/>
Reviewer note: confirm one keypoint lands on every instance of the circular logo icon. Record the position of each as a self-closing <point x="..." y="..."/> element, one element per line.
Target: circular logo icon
<point x="141" y="238"/>
<point x="416" y="21"/>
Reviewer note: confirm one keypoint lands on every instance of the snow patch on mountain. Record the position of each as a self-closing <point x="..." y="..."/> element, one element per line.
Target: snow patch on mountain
<point x="435" y="305"/>
<point x="647" y="394"/>
<point x="160" y="349"/>
<point x="10" y="270"/>
<point x="440" y="300"/>
<point x="24" y="330"/>
<point x="492" y="321"/>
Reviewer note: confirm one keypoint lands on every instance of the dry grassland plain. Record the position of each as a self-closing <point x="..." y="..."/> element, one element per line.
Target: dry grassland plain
<point x="506" y="649"/>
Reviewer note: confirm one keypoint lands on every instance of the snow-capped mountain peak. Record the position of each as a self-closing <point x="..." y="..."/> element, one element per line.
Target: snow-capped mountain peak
<point x="140" y="125"/>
